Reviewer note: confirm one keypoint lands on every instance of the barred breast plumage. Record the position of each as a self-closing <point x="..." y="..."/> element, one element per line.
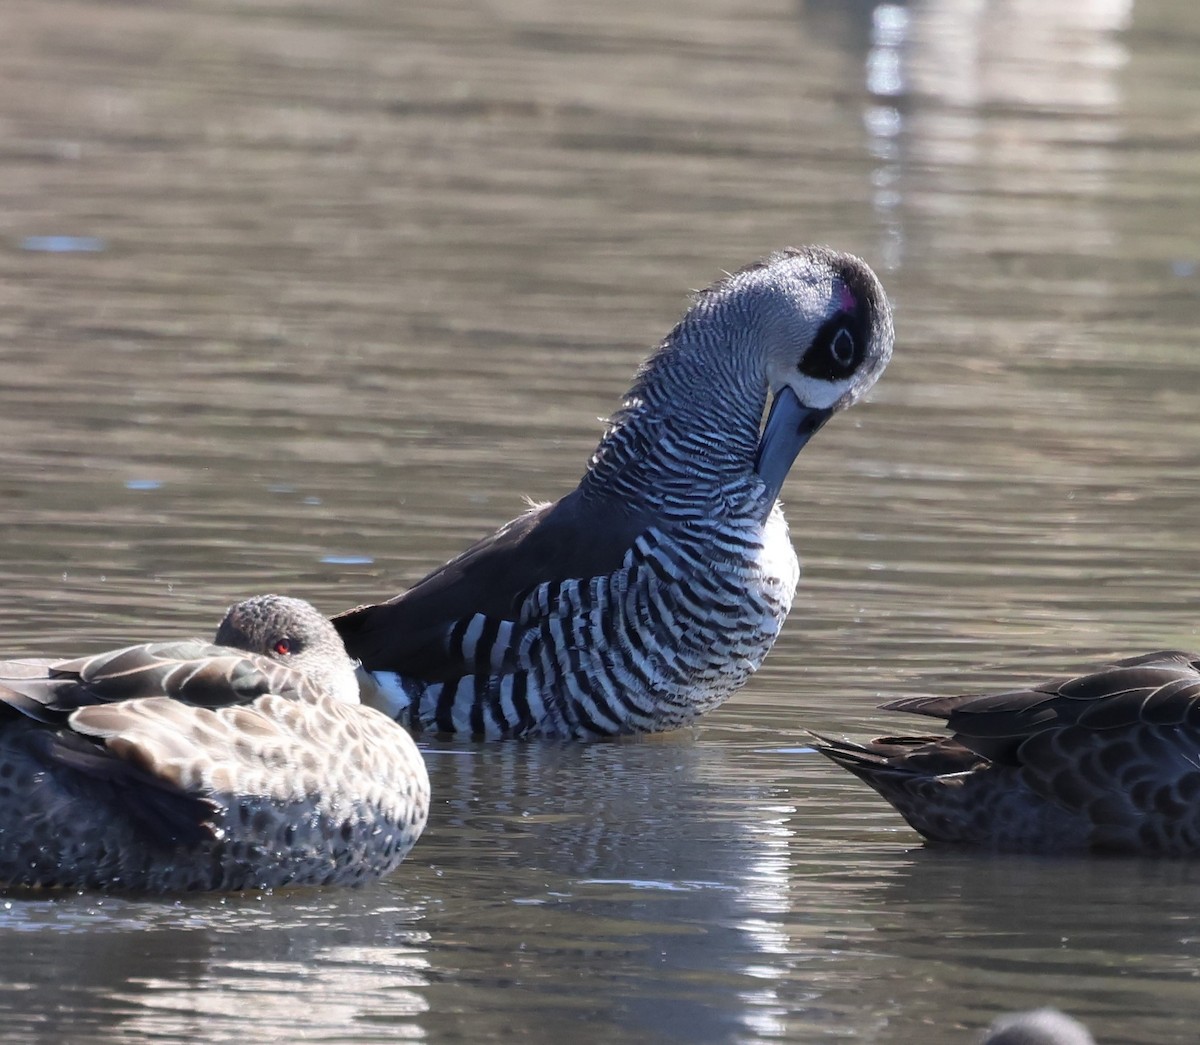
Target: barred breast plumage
<point x="191" y="765"/>
<point x="647" y="595"/>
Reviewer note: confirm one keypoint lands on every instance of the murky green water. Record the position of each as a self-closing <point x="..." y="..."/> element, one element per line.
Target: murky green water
<point x="367" y="273"/>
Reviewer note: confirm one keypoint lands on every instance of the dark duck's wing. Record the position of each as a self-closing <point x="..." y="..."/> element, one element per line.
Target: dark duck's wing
<point x="1107" y="761"/>
<point x="423" y="633"/>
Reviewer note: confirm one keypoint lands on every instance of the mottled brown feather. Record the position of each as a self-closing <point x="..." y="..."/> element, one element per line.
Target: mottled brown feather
<point x="1108" y="761"/>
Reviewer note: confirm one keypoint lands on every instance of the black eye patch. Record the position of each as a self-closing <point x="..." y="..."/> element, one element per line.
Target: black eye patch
<point x="837" y="350"/>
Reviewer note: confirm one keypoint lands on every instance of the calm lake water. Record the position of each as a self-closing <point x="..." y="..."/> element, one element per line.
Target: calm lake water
<point x="305" y="297"/>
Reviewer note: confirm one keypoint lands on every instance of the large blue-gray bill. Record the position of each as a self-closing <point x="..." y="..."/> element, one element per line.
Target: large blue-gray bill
<point x="790" y="425"/>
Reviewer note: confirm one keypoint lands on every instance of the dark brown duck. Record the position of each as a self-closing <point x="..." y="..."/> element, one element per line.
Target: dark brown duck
<point x="1103" y="762"/>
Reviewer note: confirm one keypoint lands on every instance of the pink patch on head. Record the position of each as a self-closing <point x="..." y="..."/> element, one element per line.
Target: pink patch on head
<point x="846" y="300"/>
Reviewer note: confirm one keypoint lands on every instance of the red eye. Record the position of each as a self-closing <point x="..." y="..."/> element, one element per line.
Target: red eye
<point x="284" y="646"/>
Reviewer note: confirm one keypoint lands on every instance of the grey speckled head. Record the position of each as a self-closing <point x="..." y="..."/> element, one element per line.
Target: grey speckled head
<point x="821" y="328"/>
<point x="294" y="633"/>
<point x="821" y="317"/>
<point x="1037" y="1027"/>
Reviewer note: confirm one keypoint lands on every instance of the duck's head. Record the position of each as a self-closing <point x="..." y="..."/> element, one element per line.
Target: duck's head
<point x="293" y="633"/>
<point x="824" y="330"/>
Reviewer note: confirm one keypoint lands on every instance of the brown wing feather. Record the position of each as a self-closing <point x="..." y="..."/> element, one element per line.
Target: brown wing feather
<point x="903" y="756"/>
<point x="1163" y="685"/>
<point x="89" y="704"/>
<point x="191" y="671"/>
<point x="283" y="750"/>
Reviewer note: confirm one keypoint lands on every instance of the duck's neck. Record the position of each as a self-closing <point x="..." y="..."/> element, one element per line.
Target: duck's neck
<point x="692" y="416"/>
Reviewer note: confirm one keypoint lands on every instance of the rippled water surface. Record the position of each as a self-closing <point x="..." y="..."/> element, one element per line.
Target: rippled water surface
<point x="305" y="297"/>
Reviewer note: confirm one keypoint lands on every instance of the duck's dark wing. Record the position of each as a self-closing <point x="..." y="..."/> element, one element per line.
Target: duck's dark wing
<point x="902" y="757"/>
<point x="574" y="538"/>
<point x="191" y="671"/>
<point x="1160" y="688"/>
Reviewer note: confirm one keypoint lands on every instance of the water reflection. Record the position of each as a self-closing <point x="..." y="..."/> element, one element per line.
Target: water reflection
<point x="645" y="868"/>
<point x="649" y="883"/>
<point x="960" y="920"/>
<point x="985" y="111"/>
<point x="212" y="969"/>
